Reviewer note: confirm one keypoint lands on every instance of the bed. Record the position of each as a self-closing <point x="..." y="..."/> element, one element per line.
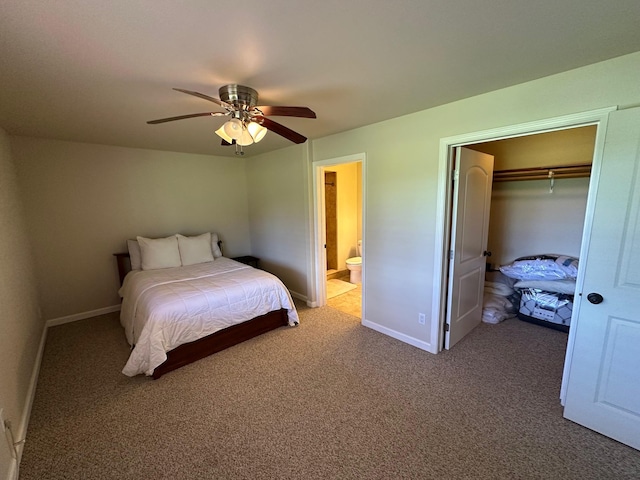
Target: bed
<point x="176" y="315"/>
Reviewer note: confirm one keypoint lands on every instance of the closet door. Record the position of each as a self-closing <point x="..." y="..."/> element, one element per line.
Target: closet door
<point x="473" y="178"/>
<point x="603" y="388"/>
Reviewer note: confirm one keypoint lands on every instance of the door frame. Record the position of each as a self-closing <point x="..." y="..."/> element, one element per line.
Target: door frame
<point x="319" y="224"/>
<point x="443" y="206"/>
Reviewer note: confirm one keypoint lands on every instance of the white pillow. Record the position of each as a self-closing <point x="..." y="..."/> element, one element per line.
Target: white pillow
<point x="134" y="254"/>
<point x="215" y="248"/>
<point x="159" y="252"/>
<point x="195" y="249"/>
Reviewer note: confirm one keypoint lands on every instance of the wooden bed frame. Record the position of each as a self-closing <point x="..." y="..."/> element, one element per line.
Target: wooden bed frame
<point x="203" y="347"/>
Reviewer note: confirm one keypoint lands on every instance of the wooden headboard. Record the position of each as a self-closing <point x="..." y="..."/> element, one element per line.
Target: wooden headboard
<point x="124" y="262"/>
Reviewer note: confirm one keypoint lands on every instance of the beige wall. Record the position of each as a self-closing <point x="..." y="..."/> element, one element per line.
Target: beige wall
<point x="526" y="217"/>
<point x="563" y="147"/>
<point x="528" y="220"/>
<point x="403" y="171"/>
<point x="21" y="327"/>
<point x="83" y="201"/>
<point x="279" y="210"/>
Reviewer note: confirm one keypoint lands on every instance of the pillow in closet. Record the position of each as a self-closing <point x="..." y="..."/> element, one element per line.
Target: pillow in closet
<point x="159" y="253"/>
<point x="196" y="249"/>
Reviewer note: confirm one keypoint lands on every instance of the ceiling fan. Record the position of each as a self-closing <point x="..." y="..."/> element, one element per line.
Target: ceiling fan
<point x="248" y="123"/>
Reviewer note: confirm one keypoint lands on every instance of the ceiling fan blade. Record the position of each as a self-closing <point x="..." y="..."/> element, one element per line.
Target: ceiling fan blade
<point x="281" y="130"/>
<point x="224" y="143"/>
<point x="304" y="112"/>
<point x="182" y="117"/>
<point x="203" y="96"/>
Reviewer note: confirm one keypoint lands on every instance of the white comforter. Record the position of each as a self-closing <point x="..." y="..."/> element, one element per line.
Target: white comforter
<point x="163" y="309"/>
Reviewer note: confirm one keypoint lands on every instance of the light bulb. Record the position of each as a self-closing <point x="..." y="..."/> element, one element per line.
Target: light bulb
<point x="257" y="131"/>
<point x="233" y="128"/>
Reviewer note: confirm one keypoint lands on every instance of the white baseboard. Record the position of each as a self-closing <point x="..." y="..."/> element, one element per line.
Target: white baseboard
<point x="82" y="316"/>
<point x="422" y="345"/>
<point x="299" y="296"/>
<point x="21" y="432"/>
<point x="304" y="298"/>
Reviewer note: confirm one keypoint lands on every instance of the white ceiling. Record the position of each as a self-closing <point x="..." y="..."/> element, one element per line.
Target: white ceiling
<point x="96" y="71"/>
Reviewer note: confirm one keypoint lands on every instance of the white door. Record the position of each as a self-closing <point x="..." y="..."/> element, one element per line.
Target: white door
<point x="603" y="388"/>
<point x="473" y="177"/>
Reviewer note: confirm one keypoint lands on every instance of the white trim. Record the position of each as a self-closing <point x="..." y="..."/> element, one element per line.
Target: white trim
<point x="12" y="473"/>
<point x="82" y="315"/>
<point x="598" y="154"/>
<point x="21" y="433"/>
<point x="421" y="344"/>
<point x="594" y="117"/>
<point x="299" y="296"/>
<point x="311" y="238"/>
<point x="319" y="292"/>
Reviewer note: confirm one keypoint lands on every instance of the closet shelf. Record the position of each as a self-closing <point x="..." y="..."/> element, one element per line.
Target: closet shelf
<point x="543" y="173"/>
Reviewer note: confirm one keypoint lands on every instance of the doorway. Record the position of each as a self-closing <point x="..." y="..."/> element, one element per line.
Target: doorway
<point x="535" y="204"/>
<point x="596" y="118"/>
<point x="332" y="284"/>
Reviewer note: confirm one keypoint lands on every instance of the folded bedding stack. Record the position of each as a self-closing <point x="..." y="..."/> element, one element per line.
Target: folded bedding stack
<point x="500" y="300"/>
<point x="546" y="285"/>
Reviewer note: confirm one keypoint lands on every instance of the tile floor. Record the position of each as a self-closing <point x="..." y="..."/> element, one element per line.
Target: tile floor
<point x="350" y="302"/>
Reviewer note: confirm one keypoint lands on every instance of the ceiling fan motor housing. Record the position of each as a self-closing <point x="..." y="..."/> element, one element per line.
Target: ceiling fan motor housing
<point x="239" y="95"/>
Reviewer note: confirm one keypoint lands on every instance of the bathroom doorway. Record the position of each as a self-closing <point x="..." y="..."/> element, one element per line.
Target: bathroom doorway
<point x="338" y="229"/>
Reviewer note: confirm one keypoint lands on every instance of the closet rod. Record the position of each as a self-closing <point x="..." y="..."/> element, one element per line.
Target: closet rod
<point x="543" y="173"/>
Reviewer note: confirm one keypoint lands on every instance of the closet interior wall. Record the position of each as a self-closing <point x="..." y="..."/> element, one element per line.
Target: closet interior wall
<point x="534" y="211"/>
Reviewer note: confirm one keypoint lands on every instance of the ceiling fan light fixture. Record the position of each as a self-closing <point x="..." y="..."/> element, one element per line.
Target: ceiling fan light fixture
<point x="233" y="128"/>
<point x="256" y="131"/>
<point x="245" y="139"/>
<point x="223" y="135"/>
<point x="248" y="122"/>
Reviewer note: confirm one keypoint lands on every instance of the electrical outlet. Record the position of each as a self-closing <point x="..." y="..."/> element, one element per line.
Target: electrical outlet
<point x="422" y="319"/>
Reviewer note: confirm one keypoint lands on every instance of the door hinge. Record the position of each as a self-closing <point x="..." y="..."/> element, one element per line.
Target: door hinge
<point x="450" y="254"/>
<point x="456" y="175"/>
<point x="446" y="327"/>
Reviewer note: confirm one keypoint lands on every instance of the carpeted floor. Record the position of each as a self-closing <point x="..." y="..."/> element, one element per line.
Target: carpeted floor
<point x="327" y="399"/>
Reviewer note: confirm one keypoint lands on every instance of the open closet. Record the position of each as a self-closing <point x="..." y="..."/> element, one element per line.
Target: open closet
<point x="538" y="205"/>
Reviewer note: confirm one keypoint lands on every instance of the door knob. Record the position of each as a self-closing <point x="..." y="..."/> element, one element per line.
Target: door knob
<point x="486" y="253"/>
<point x="595" y="298"/>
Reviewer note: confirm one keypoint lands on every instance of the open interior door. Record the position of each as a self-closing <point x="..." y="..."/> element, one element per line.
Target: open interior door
<point x="603" y="387"/>
<point x="473" y="178"/>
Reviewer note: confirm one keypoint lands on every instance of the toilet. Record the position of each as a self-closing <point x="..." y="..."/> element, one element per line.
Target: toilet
<point x="354" y="265"/>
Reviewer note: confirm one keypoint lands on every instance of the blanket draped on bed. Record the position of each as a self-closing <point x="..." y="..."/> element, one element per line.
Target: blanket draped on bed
<point x="163" y="309"/>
